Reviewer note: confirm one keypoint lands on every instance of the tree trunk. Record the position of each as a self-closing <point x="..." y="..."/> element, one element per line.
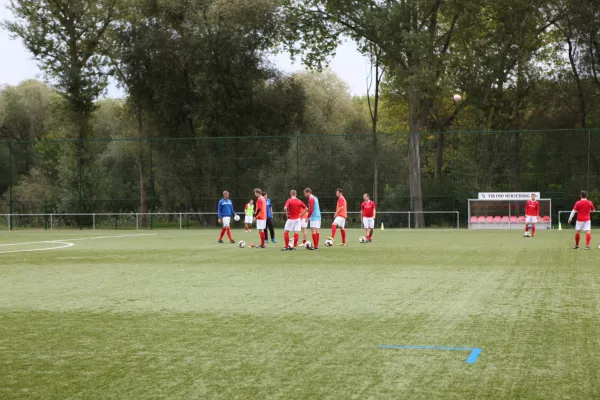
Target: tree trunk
<point x="439" y="161"/>
<point x="582" y="107"/>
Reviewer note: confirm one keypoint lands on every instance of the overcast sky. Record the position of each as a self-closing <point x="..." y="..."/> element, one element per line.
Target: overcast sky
<point x="17" y="64"/>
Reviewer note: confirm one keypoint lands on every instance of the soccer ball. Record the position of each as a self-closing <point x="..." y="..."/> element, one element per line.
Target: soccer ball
<point x="236" y="218"/>
<point x="362" y="239"/>
<point x="241" y="244"/>
<point x="526" y="234"/>
<point x="291" y="243"/>
<point x="329" y="243"/>
<point x="308" y="245"/>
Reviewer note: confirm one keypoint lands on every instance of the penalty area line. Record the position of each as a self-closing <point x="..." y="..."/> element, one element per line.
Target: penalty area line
<point x="72" y="240"/>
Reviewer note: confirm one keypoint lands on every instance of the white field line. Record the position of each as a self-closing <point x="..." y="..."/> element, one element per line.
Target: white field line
<point x="64" y="245"/>
<point x="72" y="240"/>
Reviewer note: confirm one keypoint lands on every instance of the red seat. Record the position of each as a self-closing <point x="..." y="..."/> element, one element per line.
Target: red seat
<point x="546" y="219"/>
<point x="489" y="219"/>
<point x="481" y="219"/>
<point x="473" y="219"/>
<point x="497" y="219"/>
<point x="513" y="219"/>
<point x="505" y="219"/>
<point x="521" y="218"/>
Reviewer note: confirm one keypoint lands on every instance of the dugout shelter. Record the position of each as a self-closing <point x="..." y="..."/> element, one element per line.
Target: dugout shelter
<point x="506" y="211"/>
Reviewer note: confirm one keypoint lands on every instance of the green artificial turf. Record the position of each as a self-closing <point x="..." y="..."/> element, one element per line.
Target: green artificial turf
<point x="176" y="315"/>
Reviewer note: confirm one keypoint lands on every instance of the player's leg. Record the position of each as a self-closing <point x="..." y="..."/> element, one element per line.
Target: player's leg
<point x="333" y="230"/>
<point x="342" y="226"/>
<point x="578" y="229"/>
<point x="365" y="222"/>
<point x="371" y="229"/>
<point x="532" y="229"/>
<point x="289" y="225"/>
<point x="297" y="229"/>
<point x="588" y="234"/>
<point x="271" y="229"/>
<point x="227" y="229"/>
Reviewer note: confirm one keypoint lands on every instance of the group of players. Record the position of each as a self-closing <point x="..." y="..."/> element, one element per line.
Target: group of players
<point x="299" y="218"/>
<point x="582" y="208"/>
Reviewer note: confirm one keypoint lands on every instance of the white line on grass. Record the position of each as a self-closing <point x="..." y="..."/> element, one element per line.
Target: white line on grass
<point x="84" y="238"/>
<point x="64" y="242"/>
<point x="64" y="245"/>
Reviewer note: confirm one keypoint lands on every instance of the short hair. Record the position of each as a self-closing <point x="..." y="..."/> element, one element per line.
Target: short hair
<point x="293" y="192"/>
<point x="257" y="191"/>
<point x="583" y="194"/>
<point x="366" y="194"/>
<point x="339" y="190"/>
<point x="225" y="191"/>
<point x="265" y="194"/>
<point x="307" y="190"/>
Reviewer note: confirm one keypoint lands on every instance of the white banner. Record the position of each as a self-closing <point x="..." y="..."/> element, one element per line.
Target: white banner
<point x="507" y="196"/>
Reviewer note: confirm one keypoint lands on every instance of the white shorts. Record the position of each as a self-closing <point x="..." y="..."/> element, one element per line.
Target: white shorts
<point x="247" y="219"/>
<point x="226" y="222"/>
<point x="369" y="222"/>
<point x="316" y="224"/>
<point x="261" y="224"/>
<point x="339" y="221"/>
<point x="293" y="225"/>
<point x="530" y="220"/>
<point x="583" y="226"/>
<point x="304" y="223"/>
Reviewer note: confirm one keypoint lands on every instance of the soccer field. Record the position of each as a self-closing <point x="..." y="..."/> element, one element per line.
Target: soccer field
<point x="176" y="315"/>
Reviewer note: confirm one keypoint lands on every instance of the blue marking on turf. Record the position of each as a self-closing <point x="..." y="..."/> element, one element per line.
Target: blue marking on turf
<point x="475" y="351"/>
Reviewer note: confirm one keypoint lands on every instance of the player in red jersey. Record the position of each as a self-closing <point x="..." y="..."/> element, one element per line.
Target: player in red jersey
<point x="532" y="212"/>
<point x="583" y="208"/>
<point x="295" y="210"/>
<point x="339" y="219"/>
<point x="261" y="216"/>
<point x="368" y="209"/>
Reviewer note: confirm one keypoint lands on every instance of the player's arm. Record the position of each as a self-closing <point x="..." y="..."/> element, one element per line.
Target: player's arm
<point x="573" y="213"/>
<point x="219" y="213"/>
<point x="304" y="210"/>
<point x="374" y="210"/>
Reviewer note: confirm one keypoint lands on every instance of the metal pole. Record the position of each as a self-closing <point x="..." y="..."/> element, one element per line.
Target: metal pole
<point x="409" y="220"/>
<point x="223" y="164"/>
<point x="10" y="185"/>
<point x="94" y="222"/>
<point x="589" y="150"/>
<point x="151" y="184"/>
<point x="51" y="222"/>
<point x="297" y="160"/>
<point x="137" y="222"/>
<point x="180" y="221"/>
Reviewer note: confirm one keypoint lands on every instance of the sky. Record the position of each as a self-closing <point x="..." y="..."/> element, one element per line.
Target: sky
<point x="17" y="64"/>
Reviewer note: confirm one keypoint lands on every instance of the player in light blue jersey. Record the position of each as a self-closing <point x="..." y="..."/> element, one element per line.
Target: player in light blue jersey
<point x="314" y="216"/>
<point x="225" y="212"/>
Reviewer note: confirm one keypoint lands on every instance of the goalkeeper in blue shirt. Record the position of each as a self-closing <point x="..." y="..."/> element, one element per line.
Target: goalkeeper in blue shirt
<point x="269" y="219"/>
<point x="225" y="211"/>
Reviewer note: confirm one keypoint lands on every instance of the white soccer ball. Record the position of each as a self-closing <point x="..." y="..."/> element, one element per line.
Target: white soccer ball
<point x="308" y="245"/>
<point x="291" y="243"/>
<point x="457" y="98"/>
<point x="526" y="234"/>
<point x="241" y="244"/>
<point x="236" y="218"/>
<point x="329" y="243"/>
<point x="362" y="239"/>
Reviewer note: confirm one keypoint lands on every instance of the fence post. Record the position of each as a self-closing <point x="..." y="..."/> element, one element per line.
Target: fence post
<point x="137" y="222"/>
<point x="10" y="185"/>
<point x="94" y="221"/>
<point x="151" y="183"/>
<point x="409" y="220"/>
<point x="51" y="222"/>
<point x="589" y="151"/>
<point x="180" y="222"/>
<point x="298" y="159"/>
<point x="222" y="163"/>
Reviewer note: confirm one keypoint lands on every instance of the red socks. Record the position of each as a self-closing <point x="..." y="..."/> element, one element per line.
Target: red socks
<point x="296" y="237"/>
<point x="262" y="238"/>
<point x="228" y="233"/>
<point x="343" y="231"/>
<point x="315" y="241"/>
<point x="533" y="231"/>
<point x="333" y="229"/>
<point x="222" y="233"/>
<point x="588" y="239"/>
<point x="304" y="241"/>
<point x="526" y="227"/>
<point x="577" y="237"/>
<point x="286" y="238"/>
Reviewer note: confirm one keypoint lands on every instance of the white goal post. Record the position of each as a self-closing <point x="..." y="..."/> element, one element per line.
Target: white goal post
<point x="505" y="214"/>
<point x="186" y="220"/>
<point x="563" y="219"/>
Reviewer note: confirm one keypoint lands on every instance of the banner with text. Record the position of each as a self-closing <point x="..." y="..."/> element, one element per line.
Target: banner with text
<point x="507" y="196"/>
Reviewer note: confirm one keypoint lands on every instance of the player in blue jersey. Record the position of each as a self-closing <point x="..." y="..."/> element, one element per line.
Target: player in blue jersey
<point x="269" y="219"/>
<point x="225" y="211"/>
<point x="314" y="216"/>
